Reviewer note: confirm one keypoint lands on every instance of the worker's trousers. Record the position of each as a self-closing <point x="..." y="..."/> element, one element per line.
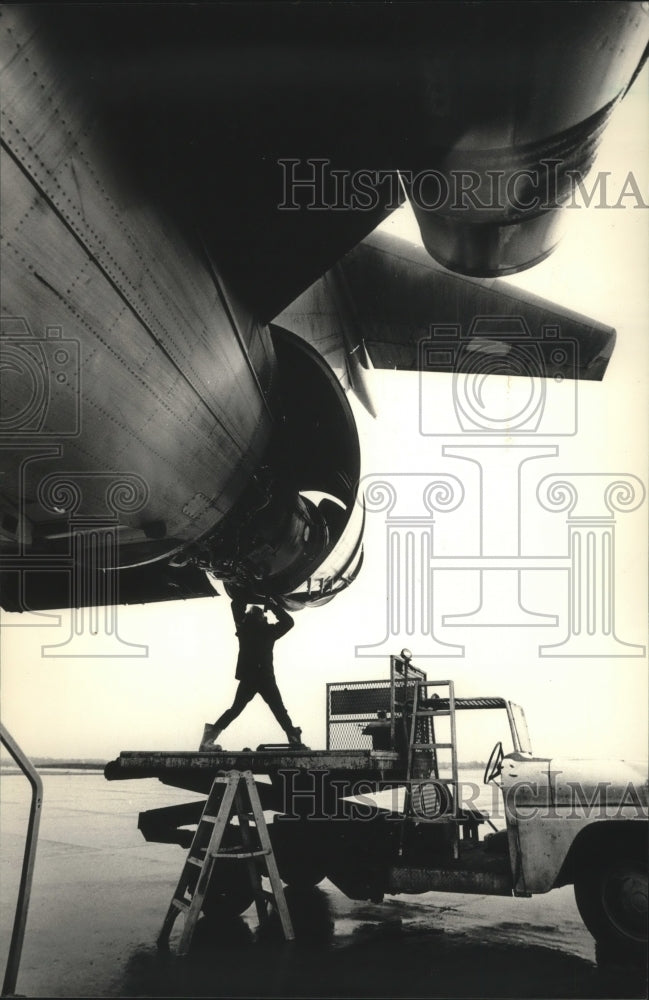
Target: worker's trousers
<point x="266" y="686"/>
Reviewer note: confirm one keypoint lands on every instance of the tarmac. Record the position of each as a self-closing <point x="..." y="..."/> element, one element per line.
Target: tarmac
<point x="100" y="893"/>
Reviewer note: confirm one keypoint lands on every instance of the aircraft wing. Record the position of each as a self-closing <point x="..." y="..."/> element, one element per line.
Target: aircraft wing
<point x="387" y="304"/>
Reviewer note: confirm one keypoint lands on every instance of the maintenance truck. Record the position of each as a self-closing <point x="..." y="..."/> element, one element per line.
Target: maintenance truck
<point x="389" y="808"/>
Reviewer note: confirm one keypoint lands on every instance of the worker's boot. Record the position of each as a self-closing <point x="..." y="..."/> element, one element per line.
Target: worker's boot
<point x="210" y="732"/>
<point x="295" y="738"/>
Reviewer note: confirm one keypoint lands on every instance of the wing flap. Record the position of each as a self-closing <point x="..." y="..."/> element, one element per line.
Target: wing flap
<point x="388" y="303"/>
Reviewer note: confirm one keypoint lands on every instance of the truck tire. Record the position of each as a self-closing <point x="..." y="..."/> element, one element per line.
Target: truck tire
<point x="230" y="898"/>
<point x="612" y="901"/>
<point x="299" y="853"/>
<point x="302" y="872"/>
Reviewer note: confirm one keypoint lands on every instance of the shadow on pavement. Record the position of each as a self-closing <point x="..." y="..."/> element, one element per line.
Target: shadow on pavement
<point x="364" y="958"/>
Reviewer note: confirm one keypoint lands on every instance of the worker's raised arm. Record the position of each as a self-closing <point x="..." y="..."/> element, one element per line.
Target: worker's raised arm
<point x="238" y="607"/>
<point x="284" y="621"/>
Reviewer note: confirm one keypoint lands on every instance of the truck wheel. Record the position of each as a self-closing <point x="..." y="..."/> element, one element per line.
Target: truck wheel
<point x="301" y="872"/>
<point x="612" y="901"/>
<point x="228" y="899"/>
<point x="229" y="892"/>
<point x="299" y="854"/>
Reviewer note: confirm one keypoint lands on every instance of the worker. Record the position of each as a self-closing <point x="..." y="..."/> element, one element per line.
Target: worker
<point x="255" y="670"/>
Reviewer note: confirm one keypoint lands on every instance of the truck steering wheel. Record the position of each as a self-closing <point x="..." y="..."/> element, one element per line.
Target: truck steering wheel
<point x="494" y="764"/>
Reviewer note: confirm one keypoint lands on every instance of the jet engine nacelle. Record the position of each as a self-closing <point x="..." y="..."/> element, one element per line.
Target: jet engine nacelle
<point x="512" y="100"/>
<point x="297" y="530"/>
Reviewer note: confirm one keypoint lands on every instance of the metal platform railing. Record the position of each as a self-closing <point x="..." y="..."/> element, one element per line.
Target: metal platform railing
<point x="29" y="856"/>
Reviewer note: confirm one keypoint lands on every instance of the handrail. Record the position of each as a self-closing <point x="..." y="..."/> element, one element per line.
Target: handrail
<point x="31" y="840"/>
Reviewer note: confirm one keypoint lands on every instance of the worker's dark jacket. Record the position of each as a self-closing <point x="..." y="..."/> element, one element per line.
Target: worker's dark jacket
<point x="256" y="641"/>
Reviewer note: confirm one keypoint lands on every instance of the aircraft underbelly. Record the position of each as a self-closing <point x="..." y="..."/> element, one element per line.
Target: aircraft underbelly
<point x="149" y="397"/>
<point x="158" y="214"/>
<point x="158" y="424"/>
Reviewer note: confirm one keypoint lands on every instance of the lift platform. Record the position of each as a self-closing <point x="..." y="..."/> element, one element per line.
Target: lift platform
<point x="196" y="771"/>
<point x="368" y="736"/>
<point x="393" y="732"/>
<point x="370" y="739"/>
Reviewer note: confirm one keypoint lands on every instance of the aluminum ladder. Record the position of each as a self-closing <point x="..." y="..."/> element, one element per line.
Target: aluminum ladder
<point x="425" y="708"/>
<point x="206" y="853"/>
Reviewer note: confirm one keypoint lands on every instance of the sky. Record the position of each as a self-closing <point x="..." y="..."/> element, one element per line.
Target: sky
<point x="589" y="705"/>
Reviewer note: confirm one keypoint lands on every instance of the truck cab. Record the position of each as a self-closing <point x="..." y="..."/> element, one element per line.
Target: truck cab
<point x="527" y="825"/>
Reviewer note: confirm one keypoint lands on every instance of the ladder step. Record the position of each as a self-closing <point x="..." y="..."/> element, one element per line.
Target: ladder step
<point x="431" y="746"/>
<point x="431" y="711"/>
<point x="180" y="904"/>
<point x="193" y="860"/>
<point x="208" y="819"/>
<point x="232" y="854"/>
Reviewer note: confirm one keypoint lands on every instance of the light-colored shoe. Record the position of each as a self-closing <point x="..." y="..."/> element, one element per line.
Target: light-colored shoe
<point x="209" y="735"/>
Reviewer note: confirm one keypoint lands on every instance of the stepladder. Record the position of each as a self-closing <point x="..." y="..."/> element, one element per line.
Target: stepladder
<point x="208" y="853"/>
